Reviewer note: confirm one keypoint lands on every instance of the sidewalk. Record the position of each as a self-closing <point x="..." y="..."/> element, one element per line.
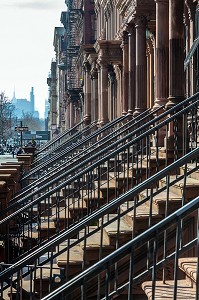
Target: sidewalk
<point x="7" y="157"/>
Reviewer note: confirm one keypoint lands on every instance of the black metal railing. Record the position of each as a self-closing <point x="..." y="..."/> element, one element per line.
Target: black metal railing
<point x="103" y="276"/>
<point x="60" y="138"/>
<point x="73" y="149"/>
<point x="68" y="198"/>
<point x="81" y="150"/>
<point x="72" y="137"/>
<point x="89" y="233"/>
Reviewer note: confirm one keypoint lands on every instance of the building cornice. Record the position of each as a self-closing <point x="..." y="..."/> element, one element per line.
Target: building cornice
<point x="109" y="51"/>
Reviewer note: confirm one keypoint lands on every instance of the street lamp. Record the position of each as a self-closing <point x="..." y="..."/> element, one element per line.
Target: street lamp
<point x="20" y="129"/>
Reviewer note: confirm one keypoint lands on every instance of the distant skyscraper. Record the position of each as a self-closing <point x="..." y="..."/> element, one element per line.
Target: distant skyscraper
<point x="32" y="100"/>
<point x="46" y="109"/>
<point x="23" y="106"/>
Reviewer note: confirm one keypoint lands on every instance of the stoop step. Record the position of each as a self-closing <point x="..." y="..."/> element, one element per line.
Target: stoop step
<point x="186" y="287"/>
<point x="166" y="291"/>
<point x="192" y="187"/>
<point x="159" y="201"/>
<point x="93" y="246"/>
<point x="142" y="216"/>
<point x="74" y="265"/>
<point x="125" y="230"/>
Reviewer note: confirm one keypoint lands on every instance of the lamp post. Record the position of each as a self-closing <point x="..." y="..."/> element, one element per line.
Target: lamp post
<point x="20" y="129"/>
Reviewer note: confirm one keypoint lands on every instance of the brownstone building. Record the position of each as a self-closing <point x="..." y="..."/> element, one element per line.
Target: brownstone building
<point x="109" y="206"/>
<point x="126" y="56"/>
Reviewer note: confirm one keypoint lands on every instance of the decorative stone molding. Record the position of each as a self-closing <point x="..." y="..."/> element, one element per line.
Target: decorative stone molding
<point x="117" y="70"/>
<point x="109" y="51"/>
<point x="191" y="6"/>
<point x="94" y="70"/>
<point x="92" y="58"/>
<point x="125" y="39"/>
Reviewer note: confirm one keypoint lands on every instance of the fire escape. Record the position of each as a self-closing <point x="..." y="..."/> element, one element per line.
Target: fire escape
<point x="72" y="21"/>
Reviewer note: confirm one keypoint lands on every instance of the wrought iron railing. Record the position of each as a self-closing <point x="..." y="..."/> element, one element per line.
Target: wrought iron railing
<point x="80" y="151"/>
<point x="73" y="148"/>
<point x="123" y="271"/>
<point x="62" y="136"/>
<point x="71" y="137"/>
<point x="156" y="265"/>
<point x="75" y="194"/>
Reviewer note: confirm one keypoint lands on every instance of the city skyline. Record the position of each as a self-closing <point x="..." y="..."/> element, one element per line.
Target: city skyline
<point x="27" y="48"/>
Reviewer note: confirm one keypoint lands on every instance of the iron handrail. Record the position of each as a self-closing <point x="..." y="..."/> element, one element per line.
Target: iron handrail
<point x="88" y="151"/>
<point x="99" y="161"/>
<point x="69" y="140"/>
<point x="96" y="215"/>
<point x="60" y="135"/>
<point x="166" y="113"/>
<point x="173" y="109"/>
<point x="125" y="249"/>
<point x="77" y="144"/>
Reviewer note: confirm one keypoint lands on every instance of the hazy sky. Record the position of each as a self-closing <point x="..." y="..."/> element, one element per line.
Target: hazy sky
<point x="26" y="46"/>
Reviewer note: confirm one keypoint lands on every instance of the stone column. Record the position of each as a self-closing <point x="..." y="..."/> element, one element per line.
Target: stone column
<point x="68" y="116"/>
<point x="111" y="77"/>
<point x="72" y="117"/>
<point x="87" y="116"/>
<point x="141" y="64"/>
<point x="99" y="93"/>
<point x="162" y="52"/>
<point x="162" y="60"/>
<point x="132" y="67"/>
<point x="176" y="72"/>
<point x="176" y="52"/>
<point x="94" y="90"/>
<point x="125" y="74"/>
<point x="104" y="92"/>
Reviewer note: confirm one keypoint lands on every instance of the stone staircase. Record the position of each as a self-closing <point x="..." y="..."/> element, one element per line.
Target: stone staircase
<point x="98" y="245"/>
<point x="104" y="241"/>
<point x="186" y="288"/>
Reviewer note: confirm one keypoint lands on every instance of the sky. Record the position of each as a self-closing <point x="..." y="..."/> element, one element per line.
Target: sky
<point x="26" y="47"/>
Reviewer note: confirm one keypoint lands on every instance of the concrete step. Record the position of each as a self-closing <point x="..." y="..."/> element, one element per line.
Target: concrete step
<point x="189" y="266"/>
<point x="72" y="261"/>
<point x="111" y="230"/>
<point x="107" y="187"/>
<point x="61" y="218"/>
<point x="45" y="277"/>
<point x="190" y="167"/>
<point x="186" y="287"/>
<point x="142" y="216"/>
<point x="159" y="201"/>
<point x="47" y="229"/>
<point x="192" y="187"/>
<point x="165" y="291"/>
<point x="93" y="247"/>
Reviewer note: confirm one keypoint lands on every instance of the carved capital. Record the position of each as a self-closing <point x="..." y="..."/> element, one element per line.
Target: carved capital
<point x="103" y="62"/>
<point x="191" y="6"/>
<point x="140" y="21"/>
<point x="131" y="29"/>
<point x="125" y="39"/>
<point x="94" y="70"/>
<point x="118" y="71"/>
